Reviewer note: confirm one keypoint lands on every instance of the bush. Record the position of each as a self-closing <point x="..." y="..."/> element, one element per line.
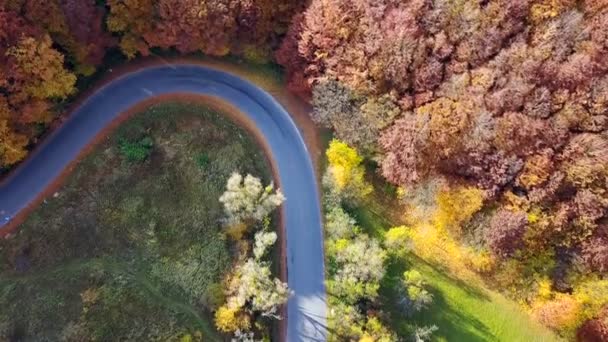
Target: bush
<point x="561" y="313"/>
<point x="398" y="239"/>
<point x="231" y="319"/>
<point x="480" y="261"/>
<point x="136" y="151"/>
<point x="214" y="296"/>
<point x="360" y="262"/>
<point x="416" y="297"/>
<point x="593" y="297"/>
<point x="202" y="160"/>
<point x="236" y="231"/>
<point x="346" y="323"/>
<point x="338" y="107"/>
<point x="252" y="286"/>
<point x="422" y="334"/>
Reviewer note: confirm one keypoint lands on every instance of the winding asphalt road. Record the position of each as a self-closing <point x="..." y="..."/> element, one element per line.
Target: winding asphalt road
<point x="306" y="310"/>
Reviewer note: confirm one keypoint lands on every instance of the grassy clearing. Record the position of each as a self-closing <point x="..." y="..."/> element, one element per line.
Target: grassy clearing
<point x="463" y="311"/>
<point x="130" y="248"/>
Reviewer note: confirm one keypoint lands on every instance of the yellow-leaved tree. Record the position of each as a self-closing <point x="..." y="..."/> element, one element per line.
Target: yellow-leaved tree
<point x="229" y="319"/>
<point x="345" y="174"/>
<point x="133" y="19"/>
<point x="436" y="237"/>
<point x="41" y="70"/>
<point x="12" y="144"/>
<point x="456" y="206"/>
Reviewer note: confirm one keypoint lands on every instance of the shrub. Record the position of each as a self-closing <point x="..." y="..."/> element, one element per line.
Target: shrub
<point x="416" y="297"/>
<point x="338" y="107"/>
<point x="361" y="260"/>
<point x="592" y="295"/>
<point x="375" y="331"/>
<point x="263" y="241"/>
<point x="480" y="261"/>
<point x="423" y="334"/>
<point x="136" y="151"/>
<point x="202" y="160"/>
<point x="402" y="161"/>
<point x="236" y="231"/>
<point x="351" y="291"/>
<point x="344" y="321"/>
<point x="561" y="313"/>
<point x="231" y="319"/>
<point x="381" y="111"/>
<point x="586" y="159"/>
<point x="12" y="144"/>
<point x="398" y="239"/>
<point x="214" y="296"/>
<point x="544" y="289"/>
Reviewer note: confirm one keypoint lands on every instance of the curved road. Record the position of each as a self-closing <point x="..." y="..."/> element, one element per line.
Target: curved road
<point x="306" y="310"/>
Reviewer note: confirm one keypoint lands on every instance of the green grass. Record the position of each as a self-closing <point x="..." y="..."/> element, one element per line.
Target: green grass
<point x="131" y="247"/>
<point x="462" y="311"/>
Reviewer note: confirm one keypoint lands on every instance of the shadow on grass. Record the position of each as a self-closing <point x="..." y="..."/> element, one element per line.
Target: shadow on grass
<point x="472" y="291"/>
<point x="454" y="322"/>
<point x="397" y="266"/>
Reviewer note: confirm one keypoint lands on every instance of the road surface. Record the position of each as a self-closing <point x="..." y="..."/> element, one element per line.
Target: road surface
<point x="306" y="310"/>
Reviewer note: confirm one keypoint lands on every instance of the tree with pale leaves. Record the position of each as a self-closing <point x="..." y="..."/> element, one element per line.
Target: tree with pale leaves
<point x="415" y="295"/>
<point x="253" y="285"/>
<point x="263" y="241"/>
<point x="358" y="267"/>
<point x="362" y="260"/>
<point x="338" y="224"/>
<point x="246" y="200"/>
